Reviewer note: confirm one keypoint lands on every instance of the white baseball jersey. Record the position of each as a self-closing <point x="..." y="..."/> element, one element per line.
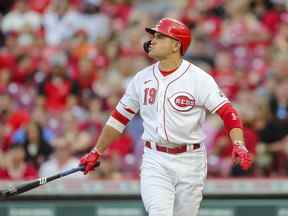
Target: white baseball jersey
<point x="172" y="107"/>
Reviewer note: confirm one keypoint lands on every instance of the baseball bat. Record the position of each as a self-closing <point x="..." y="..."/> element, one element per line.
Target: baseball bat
<point x="40" y="181"/>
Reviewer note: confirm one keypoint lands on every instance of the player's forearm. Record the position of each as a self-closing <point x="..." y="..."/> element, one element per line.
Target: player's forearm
<point x="107" y="136"/>
<point x="237" y="136"/>
<point x="232" y="123"/>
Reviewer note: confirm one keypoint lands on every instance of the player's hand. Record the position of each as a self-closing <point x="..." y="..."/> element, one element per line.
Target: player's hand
<point x="89" y="161"/>
<point x="240" y="154"/>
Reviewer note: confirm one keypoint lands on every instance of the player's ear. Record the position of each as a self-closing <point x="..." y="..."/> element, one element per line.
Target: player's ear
<point x="176" y="46"/>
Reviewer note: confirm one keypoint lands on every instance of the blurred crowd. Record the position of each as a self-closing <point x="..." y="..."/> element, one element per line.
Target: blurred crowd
<point x="64" y="64"/>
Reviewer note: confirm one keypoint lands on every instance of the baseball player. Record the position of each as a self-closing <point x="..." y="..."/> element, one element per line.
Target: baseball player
<point x="172" y="97"/>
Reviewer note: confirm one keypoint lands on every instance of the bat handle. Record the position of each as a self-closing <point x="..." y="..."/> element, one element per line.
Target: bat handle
<point x="77" y="169"/>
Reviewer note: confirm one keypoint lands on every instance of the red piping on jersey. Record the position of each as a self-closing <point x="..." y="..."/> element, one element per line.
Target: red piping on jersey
<point x="120" y="117"/>
<point x="165" y="98"/>
<point x="218" y="106"/>
<point x="156" y="77"/>
<point x="127" y="109"/>
<point x="156" y="91"/>
<point x="157" y="85"/>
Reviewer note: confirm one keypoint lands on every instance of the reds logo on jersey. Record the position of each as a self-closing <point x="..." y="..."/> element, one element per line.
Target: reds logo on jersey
<point x="182" y="101"/>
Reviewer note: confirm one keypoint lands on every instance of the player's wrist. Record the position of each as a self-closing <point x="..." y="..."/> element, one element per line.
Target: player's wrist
<point x="239" y="142"/>
<point x="96" y="151"/>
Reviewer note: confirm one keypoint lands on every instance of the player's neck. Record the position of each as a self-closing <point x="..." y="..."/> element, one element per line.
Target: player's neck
<point x="170" y="64"/>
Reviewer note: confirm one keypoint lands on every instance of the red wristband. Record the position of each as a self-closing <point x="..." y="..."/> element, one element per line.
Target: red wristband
<point x="230" y="117"/>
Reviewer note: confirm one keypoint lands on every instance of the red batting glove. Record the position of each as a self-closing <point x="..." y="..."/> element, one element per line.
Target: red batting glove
<point x="241" y="154"/>
<point x="89" y="161"/>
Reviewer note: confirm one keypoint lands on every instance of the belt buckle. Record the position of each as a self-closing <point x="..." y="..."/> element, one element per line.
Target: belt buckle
<point x="170" y="150"/>
<point x="192" y="147"/>
<point x="153" y="145"/>
<point x="167" y="150"/>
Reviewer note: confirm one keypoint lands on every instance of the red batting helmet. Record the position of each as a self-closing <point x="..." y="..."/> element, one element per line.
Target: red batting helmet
<point x="174" y="29"/>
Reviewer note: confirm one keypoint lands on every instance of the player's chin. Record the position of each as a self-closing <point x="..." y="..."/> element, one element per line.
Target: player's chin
<point x="153" y="54"/>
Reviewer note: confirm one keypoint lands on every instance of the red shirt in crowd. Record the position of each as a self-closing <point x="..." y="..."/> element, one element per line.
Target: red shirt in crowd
<point x="38" y="5"/>
<point x="57" y="94"/>
<point x="121" y="146"/>
<point x="28" y="173"/>
<point x="227" y="81"/>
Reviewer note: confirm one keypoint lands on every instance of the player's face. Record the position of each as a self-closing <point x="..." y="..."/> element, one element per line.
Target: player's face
<point x="162" y="46"/>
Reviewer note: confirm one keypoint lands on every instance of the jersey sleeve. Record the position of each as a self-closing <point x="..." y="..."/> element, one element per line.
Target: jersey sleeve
<point x="126" y="109"/>
<point x="130" y="99"/>
<point x="213" y="97"/>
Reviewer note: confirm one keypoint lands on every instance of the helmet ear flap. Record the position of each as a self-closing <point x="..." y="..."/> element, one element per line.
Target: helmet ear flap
<point x="146" y="46"/>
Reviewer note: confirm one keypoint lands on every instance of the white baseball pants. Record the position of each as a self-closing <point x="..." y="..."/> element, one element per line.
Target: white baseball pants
<point x="172" y="185"/>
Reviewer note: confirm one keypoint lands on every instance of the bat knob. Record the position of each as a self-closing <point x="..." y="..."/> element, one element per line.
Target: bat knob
<point x="8" y="192"/>
<point x="4" y="193"/>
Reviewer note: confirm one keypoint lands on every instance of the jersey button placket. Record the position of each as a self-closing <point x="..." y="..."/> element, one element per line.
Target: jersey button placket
<point x="159" y="109"/>
<point x="162" y="87"/>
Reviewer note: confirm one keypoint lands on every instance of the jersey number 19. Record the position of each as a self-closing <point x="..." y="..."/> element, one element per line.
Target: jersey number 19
<point x="149" y="96"/>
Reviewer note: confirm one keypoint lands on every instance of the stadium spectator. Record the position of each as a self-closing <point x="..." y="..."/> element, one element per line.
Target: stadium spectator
<point x="225" y="74"/>
<point x="274" y="134"/>
<point x="59" y="22"/>
<point x="61" y="160"/>
<point x="58" y="90"/>
<point x="21" y="17"/>
<point x="35" y="141"/>
<point x="16" y="168"/>
<point x="109" y="170"/>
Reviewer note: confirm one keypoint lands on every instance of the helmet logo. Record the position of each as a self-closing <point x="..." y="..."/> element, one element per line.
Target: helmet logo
<point x="182" y="101"/>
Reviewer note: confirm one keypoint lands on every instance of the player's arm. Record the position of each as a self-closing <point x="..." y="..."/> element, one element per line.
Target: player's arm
<point x="112" y="130"/>
<point x="126" y="109"/>
<point x="232" y="122"/>
<point x="114" y="127"/>
<point x="107" y="136"/>
<point x="215" y="101"/>
<point x="234" y="127"/>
